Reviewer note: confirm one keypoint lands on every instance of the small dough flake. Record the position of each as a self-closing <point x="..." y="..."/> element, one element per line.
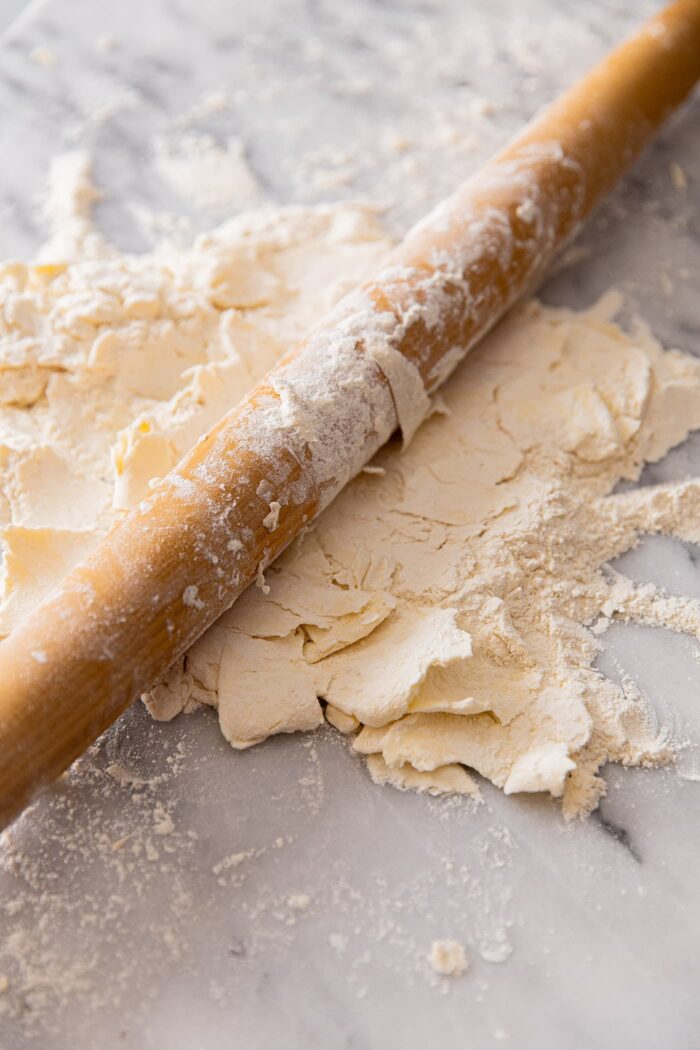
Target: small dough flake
<point x="272" y="520"/>
<point x="448" y="958"/>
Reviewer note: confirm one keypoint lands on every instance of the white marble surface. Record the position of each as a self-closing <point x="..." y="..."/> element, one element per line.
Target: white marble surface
<point x="150" y="942"/>
<point x="9" y="9"/>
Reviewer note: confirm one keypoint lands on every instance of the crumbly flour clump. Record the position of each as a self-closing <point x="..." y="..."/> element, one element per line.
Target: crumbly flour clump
<point x="448" y="958"/>
<point x="439" y="611"/>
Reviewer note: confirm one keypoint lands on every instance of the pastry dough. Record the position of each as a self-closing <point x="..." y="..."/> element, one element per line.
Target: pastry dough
<point x="436" y="608"/>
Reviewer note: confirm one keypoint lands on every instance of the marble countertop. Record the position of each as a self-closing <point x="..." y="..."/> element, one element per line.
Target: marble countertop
<point x="9" y="9"/>
<point x="277" y="897"/>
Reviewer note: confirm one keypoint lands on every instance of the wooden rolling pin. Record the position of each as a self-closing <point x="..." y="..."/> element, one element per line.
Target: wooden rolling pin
<point x="170" y="568"/>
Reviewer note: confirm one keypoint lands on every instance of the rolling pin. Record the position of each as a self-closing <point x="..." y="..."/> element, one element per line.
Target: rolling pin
<point x="266" y="470"/>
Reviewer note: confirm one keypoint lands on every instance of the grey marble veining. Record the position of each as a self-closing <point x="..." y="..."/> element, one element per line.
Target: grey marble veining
<point x="175" y="950"/>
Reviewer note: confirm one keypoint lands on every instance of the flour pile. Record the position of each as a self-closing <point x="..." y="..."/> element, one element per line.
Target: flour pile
<point x="437" y="608"/>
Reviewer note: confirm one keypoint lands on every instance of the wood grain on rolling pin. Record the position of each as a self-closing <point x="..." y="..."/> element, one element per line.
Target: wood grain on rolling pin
<point x="173" y="566"/>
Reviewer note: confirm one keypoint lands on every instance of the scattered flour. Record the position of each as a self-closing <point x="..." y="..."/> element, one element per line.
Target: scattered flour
<point x="679" y="177"/>
<point x="206" y="173"/>
<point x="105" y="43"/>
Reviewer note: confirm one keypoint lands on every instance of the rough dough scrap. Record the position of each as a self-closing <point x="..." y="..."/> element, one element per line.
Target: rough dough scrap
<point x="436" y="610"/>
<point x="448" y="958"/>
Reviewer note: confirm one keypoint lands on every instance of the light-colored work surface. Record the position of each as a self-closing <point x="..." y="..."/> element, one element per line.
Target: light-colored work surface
<point x="9" y="9"/>
<point x="278" y="895"/>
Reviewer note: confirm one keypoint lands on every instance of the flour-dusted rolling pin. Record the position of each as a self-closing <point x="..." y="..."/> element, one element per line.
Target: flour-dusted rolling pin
<point x="167" y="571"/>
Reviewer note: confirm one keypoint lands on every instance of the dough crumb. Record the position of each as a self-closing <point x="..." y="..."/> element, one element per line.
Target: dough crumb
<point x="448" y="957"/>
<point x="162" y="821"/>
<point x="299" y="901"/>
<point x="260" y="580"/>
<point x="679" y="177"/>
<point x="105" y="43"/>
<point x="190" y="597"/>
<point x="271" y="520"/>
<point x="43" y="56"/>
